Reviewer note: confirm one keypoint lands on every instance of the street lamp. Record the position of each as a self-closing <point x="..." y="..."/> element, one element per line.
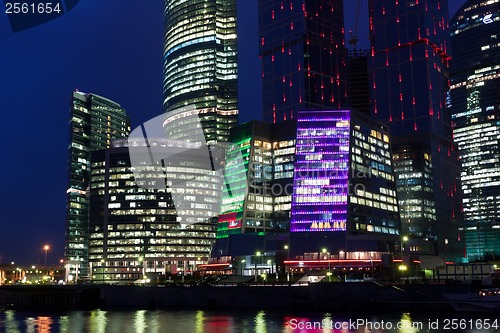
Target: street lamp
<point x="404" y="239"/>
<point x="287" y="257"/>
<point x="257" y="254"/>
<point x="329" y="274"/>
<point x="141" y="259"/>
<point x="46" y="248"/>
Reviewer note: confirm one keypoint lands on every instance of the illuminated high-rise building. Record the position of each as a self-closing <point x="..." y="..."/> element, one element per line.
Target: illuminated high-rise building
<point x="303" y="57"/>
<point x="135" y="230"/>
<point x="257" y="194"/>
<point x="200" y="68"/>
<point x="344" y="194"/>
<point x="94" y="122"/>
<point x="475" y="102"/>
<point x="200" y="88"/>
<point x="409" y="62"/>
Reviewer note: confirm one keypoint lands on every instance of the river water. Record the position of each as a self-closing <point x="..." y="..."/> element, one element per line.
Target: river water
<point x="241" y="321"/>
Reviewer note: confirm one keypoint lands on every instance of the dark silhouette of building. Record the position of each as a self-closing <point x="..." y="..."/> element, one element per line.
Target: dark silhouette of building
<point x="359" y="86"/>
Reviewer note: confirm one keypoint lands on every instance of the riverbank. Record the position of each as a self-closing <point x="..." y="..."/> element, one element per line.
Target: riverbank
<point x="316" y="296"/>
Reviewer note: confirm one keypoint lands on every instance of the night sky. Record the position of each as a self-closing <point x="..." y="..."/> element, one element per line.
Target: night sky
<point x="112" y="48"/>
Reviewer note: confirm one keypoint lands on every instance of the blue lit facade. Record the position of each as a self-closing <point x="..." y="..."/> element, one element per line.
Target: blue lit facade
<point x="303" y="57"/>
<point x="475" y="103"/>
<point x="409" y="81"/>
<point x="344" y="195"/>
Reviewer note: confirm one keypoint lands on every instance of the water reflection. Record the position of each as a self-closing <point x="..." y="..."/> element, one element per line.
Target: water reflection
<point x="98" y="321"/>
<point x="145" y="321"/>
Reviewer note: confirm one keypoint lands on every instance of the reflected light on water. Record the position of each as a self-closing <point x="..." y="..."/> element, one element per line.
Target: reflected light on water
<point x="11" y="324"/>
<point x="327" y="319"/>
<point x="140" y="323"/>
<point x="63" y="324"/>
<point x="219" y="321"/>
<point x="200" y="319"/>
<point x="407" y="325"/>
<point x="98" y="321"/>
<point x="43" y="324"/>
<point x="260" y="322"/>
<point x="218" y="324"/>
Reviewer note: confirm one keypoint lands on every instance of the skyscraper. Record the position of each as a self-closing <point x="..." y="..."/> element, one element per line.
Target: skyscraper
<point x="200" y="87"/>
<point x="134" y="231"/>
<point x="409" y="81"/>
<point x="200" y="68"/>
<point x="95" y="121"/>
<point x="344" y="195"/>
<point x="258" y="194"/>
<point x="303" y="57"/>
<point x="475" y="102"/>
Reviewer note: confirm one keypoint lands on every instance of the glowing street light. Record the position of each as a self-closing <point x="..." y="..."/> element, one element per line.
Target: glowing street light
<point x="46" y="248"/>
<point x="257" y="254"/>
<point x="329" y="274"/>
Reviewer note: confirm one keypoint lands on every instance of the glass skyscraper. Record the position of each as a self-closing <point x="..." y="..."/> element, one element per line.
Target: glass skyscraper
<point x="304" y="59"/>
<point x="200" y="87"/>
<point x="95" y="121"/>
<point x="410" y="46"/>
<point x="200" y="65"/>
<point x="475" y="102"/>
<point x="257" y="195"/>
<point x="344" y="195"/>
<point x="134" y="230"/>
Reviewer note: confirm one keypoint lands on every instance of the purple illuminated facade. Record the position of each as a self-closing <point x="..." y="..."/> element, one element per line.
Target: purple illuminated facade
<point x="321" y="182"/>
<point x="344" y="196"/>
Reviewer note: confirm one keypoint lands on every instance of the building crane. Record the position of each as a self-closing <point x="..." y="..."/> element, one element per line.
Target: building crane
<point x="354" y="35"/>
